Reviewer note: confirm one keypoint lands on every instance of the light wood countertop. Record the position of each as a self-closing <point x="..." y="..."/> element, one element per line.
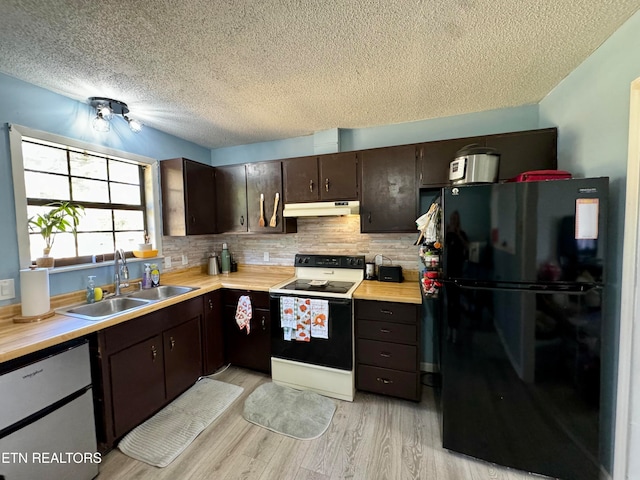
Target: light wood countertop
<point x="405" y="292"/>
<point x="18" y="339"/>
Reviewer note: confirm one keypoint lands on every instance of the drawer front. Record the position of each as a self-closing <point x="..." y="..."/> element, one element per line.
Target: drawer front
<point x="387" y="331"/>
<point x="258" y="299"/>
<point x="388" y="382"/>
<point x="387" y="355"/>
<point x="387" y="311"/>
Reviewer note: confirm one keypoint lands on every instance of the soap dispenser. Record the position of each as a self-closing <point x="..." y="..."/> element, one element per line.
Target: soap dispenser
<point x="91" y="289"/>
<point x="146" y="276"/>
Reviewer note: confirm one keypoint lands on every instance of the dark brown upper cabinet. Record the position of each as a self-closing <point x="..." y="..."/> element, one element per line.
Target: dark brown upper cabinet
<point x="524" y="151"/>
<point x="389" y="193"/>
<point x="188" y="197"/>
<point x="321" y="178"/>
<point x="434" y="159"/>
<point x="231" y="191"/>
<point x="265" y="178"/>
<point x="519" y="152"/>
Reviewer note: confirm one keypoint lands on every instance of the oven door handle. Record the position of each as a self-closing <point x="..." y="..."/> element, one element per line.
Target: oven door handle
<point x="332" y="301"/>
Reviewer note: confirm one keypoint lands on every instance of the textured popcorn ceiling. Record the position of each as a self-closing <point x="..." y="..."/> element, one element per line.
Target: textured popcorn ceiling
<point x="230" y="72"/>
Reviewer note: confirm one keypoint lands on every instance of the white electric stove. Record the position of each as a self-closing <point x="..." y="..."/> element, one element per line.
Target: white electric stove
<point x="324" y="365"/>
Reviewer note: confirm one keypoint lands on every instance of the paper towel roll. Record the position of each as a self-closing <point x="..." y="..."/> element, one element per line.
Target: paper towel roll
<point x="34" y="285"/>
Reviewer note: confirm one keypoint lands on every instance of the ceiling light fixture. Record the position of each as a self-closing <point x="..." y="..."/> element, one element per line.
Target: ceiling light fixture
<point x="106" y="109"/>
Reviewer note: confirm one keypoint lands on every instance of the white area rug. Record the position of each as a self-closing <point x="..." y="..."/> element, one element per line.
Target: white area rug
<point x="163" y="437"/>
<point x="300" y="414"/>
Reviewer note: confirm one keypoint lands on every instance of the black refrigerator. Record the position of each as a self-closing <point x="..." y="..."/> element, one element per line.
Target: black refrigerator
<point x="520" y="336"/>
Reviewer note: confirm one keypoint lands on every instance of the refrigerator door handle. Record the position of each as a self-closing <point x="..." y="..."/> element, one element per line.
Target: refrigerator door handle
<point x="578" y="289"/>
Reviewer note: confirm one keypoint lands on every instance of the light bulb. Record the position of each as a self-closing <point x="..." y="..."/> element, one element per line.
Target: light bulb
<point x="101" y="124"/>
<point x="104" y="111"/>
<point x="134" y="125"/>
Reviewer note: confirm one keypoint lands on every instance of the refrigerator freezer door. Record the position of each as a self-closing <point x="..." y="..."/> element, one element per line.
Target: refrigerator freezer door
<point x="536" y="232"/>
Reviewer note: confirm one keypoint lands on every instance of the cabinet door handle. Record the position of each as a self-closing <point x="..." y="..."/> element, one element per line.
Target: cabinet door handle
<point x="193" y="219"/>
<point x="210" y="304"/>
<point x="326" y="184"/>
<point x="369" y="217"/>
<point x="241" y="219"/>
<point x="386" y="312"/>
<point x="263" y="320"/>
<point x="154" y="353"/>
<point x="385" y="330"/>
<point x="172" y="342"/>
<point x="311" y="185"/>
<point x="386" y="381"/>
<point x="385" y="354"/>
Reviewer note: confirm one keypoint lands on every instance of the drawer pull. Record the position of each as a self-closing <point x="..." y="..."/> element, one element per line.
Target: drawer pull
<point x="386" y="312"/>
<point x="154" y="353"/>
<point x="385" y="354"/>
<point x="311" y="185"/>
<point x="385" y="330"/>
<point x="263" y="327"/>
<point x="386" y="381"/>
<point x="326" y="185"/>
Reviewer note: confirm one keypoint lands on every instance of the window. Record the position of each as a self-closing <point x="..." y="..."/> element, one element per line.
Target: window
<point x="110" y="189"/>
<point x="116" y="190"/>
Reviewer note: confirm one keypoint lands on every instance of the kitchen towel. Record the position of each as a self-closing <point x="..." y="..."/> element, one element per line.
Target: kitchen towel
<point x="303" y="320"/>
<point x="319" y="318"/>
<point x="287" y="316"/>
<point x="244" y="313"/>
<point x="34" y="285"/>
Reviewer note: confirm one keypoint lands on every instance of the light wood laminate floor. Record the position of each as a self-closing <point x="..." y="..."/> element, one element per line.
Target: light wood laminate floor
<point x="372" y="438"/>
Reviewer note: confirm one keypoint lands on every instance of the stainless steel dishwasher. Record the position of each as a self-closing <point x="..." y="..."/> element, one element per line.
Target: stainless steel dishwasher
<point x="47" y="427"/>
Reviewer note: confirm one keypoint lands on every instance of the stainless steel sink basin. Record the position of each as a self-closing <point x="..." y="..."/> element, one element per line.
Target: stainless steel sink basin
<point x="113" y="306"/>
<point x="161" y="293"/>
<point x="104" y="308"/>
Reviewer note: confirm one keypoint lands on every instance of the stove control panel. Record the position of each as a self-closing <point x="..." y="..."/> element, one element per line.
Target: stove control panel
<point x="330" y="261"/>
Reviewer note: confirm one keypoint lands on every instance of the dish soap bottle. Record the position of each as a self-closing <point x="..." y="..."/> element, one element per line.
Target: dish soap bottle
<point x="225" y="259"/>
<point x="91" y="289"/>
<point x="146" y="276"/>
<point x="155" y="275"/>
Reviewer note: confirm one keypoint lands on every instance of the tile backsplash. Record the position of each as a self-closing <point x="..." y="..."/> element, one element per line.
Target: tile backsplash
<point x="331" y="235"/>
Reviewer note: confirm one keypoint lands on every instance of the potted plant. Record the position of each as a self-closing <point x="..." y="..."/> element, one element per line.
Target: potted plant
<point x="63" y="217"/>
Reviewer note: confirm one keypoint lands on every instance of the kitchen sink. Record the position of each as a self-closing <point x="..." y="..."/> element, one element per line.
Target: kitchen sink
<point x="161" y="293"/>
<point x="113" y="306"/>
<point x="104" y="308"/>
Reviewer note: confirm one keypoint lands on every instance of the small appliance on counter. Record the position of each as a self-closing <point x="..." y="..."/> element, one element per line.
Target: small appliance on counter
<point x="474" y="164"/>
<point x="370" y="271"/>
<point x="213" y="264"/>
<point x="390" y="273"/>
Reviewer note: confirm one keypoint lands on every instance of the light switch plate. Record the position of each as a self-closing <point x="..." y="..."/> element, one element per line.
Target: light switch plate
<point x="7" y="289"/>
<point x="266" y="256"/>
<point x="167" y="262"/>
<point x="185" y="260"/>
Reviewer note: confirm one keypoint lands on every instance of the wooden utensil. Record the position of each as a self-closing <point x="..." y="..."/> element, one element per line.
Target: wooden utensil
<point x="261" y="223"/>
<point x="272" y="222"/>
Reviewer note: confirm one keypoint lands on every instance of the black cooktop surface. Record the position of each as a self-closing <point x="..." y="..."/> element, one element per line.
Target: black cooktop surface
<point x="319" y="286"/>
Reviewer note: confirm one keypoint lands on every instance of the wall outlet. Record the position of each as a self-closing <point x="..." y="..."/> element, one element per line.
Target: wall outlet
<point x="7" y="289"/>
<point x="167" y="262"/>
<point x="185" y="260"/>
<point x="266" y="256"/>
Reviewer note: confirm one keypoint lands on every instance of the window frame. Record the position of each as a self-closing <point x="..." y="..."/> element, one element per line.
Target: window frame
<point x="151" y="184"/>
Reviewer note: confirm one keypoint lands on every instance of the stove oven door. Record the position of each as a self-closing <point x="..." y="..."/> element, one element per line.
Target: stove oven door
<point x="334" y="352"/>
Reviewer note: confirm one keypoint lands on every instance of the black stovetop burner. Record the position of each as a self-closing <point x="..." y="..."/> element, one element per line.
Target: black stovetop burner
<point x="319" y="286"/>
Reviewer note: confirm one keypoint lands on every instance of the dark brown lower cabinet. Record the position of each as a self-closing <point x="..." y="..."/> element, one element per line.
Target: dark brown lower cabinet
<point x="137" y="383"/>
<point x="182" y="356"/>
<point x="253" y="350"/>
<point x="213" y="338"/>
<point x="388" y="348"/>
<point x="143" y="364"/>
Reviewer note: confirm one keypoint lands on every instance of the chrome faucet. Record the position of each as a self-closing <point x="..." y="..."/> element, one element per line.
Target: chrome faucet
<point x="121" y="272"/>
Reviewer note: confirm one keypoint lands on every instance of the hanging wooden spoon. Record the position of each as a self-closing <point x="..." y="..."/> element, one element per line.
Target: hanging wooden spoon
<point x="261" y="222"/>
<point x="272" y="222"/>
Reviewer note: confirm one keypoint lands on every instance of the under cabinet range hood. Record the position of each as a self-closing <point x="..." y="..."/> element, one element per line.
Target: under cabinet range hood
<point x="321" y="209"/>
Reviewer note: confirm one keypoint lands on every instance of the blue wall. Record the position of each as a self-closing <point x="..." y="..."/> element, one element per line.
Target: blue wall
<point x="480" y="123"/>
<point x="33" y="107"/>
<point x="591" y="109"/>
